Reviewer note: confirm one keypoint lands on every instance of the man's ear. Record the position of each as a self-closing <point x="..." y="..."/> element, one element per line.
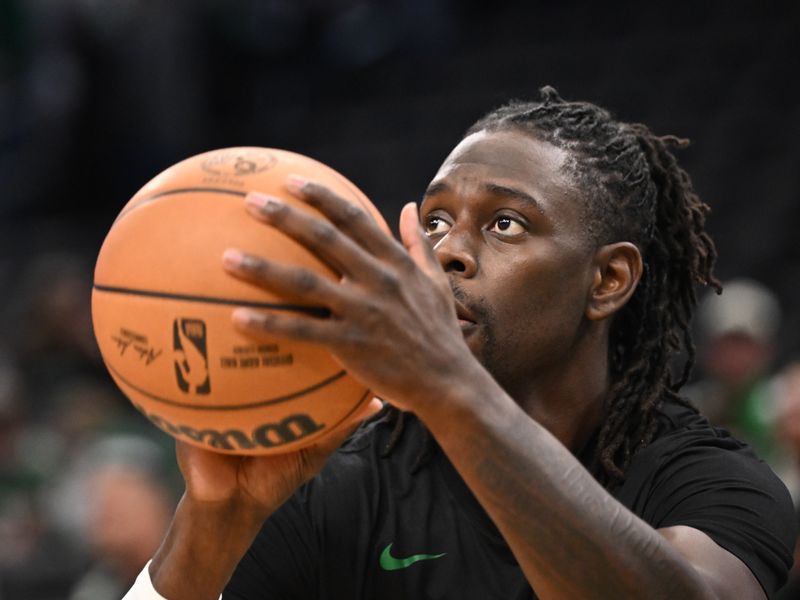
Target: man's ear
<point x="617" y="270"/>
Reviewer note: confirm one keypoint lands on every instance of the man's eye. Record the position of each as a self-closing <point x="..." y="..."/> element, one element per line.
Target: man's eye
<point x="436" y="225"/>
<point x="507" y="226"/>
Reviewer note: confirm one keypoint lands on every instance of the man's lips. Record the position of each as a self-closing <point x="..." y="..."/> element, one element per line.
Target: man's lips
<point x="465" y="317"/>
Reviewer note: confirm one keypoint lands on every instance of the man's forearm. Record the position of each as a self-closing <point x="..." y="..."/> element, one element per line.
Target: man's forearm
<point x="571" y="538"/>
<point x="202" y="548"/>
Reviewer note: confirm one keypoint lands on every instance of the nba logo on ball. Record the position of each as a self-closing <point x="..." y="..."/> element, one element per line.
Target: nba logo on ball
<point x="191" y="356"/>
<point x="159" y="286"/>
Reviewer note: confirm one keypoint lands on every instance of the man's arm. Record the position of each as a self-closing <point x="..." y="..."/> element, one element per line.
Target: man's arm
<point x="571" y="538"/>
<point x="202" y="548"/>
<point x="227" y="500"/>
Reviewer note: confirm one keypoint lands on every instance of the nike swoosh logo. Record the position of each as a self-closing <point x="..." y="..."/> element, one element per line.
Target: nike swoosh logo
<point x="390" y="563"/>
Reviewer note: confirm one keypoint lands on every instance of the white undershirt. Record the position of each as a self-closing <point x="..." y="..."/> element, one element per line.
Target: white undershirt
<point x="143" y="587"/>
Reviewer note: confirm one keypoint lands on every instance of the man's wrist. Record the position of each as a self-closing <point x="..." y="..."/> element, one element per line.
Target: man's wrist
<point x="206" y="540"/>
<point x="471" y="395"/>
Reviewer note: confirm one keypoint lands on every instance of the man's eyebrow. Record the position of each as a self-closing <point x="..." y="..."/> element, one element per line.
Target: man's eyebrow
<point x="490" y="188"/>
<point x="503" y="190"/>
<point x="436" y="188"/>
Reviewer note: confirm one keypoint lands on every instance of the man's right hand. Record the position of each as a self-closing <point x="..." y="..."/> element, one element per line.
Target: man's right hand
<point x="258" y="484"/>
<point x="226" y="501"/>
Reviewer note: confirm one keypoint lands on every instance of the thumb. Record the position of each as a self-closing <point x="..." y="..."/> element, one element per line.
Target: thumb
<point x="415" y="240"/>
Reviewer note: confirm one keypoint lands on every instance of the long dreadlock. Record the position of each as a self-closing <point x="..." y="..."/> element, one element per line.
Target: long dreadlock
<point x="635" y="191"/>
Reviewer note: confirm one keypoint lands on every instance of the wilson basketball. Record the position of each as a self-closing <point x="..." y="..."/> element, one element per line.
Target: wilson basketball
<point x="162" y="303"/>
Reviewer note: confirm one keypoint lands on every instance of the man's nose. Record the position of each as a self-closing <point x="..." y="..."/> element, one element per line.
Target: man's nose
<point x="456" y="253"/>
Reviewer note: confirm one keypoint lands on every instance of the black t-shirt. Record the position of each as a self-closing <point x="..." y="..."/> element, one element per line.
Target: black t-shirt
<point x="367" y="528"/>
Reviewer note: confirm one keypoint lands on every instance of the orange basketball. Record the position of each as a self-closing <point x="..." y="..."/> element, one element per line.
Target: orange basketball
<point x="161" y="307"/>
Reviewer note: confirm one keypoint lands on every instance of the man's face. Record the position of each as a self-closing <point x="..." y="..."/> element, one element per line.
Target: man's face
<point x="506" y="225"/>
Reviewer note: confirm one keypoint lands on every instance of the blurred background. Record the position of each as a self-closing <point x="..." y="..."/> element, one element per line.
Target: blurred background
<point x="97" y="96"/>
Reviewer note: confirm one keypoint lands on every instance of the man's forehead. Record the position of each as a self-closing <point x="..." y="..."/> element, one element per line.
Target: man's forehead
<point x="508" y="157"/>
<point x="509" y="153"/>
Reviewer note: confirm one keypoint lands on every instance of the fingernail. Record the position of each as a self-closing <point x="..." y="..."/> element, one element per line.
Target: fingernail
<point x="263" y="202"/>
<point x="232" y="257"/>
<point x="295" y="183"/>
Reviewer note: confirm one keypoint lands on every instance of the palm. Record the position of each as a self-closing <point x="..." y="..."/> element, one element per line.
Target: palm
<point x="261" y="481"/>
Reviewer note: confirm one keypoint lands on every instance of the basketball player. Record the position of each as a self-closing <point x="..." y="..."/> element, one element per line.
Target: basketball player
<point x="534" y="444"/>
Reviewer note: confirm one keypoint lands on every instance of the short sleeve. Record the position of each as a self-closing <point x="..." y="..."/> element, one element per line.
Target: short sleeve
<point x="733" y="497"/>
<point x="282" y="561"/>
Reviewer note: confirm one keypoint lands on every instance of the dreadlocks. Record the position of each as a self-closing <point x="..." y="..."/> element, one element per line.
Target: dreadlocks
<point x="634" y="191"/>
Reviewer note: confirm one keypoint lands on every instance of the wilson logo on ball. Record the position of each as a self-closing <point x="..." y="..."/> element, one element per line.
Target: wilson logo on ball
<point x="267" y="435"/>
<point x="191" y="356"/>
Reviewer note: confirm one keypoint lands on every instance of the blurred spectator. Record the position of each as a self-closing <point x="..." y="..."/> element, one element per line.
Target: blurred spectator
<point x="58" y="408"/>
<point x="81" y="413"/>
<point x="741" y="389"/>
<point x="129" y="509"/>
<point x="36" y="562"/>
<point x="735" y="354"/>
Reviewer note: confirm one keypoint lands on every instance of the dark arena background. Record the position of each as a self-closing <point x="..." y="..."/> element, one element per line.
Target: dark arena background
<point x="97" y="96"/>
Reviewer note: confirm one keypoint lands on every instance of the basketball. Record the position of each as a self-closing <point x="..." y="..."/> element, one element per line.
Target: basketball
<point x="162" y="303"/>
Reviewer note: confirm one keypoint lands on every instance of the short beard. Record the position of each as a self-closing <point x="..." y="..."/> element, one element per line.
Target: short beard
<point x="487" y="353"/>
